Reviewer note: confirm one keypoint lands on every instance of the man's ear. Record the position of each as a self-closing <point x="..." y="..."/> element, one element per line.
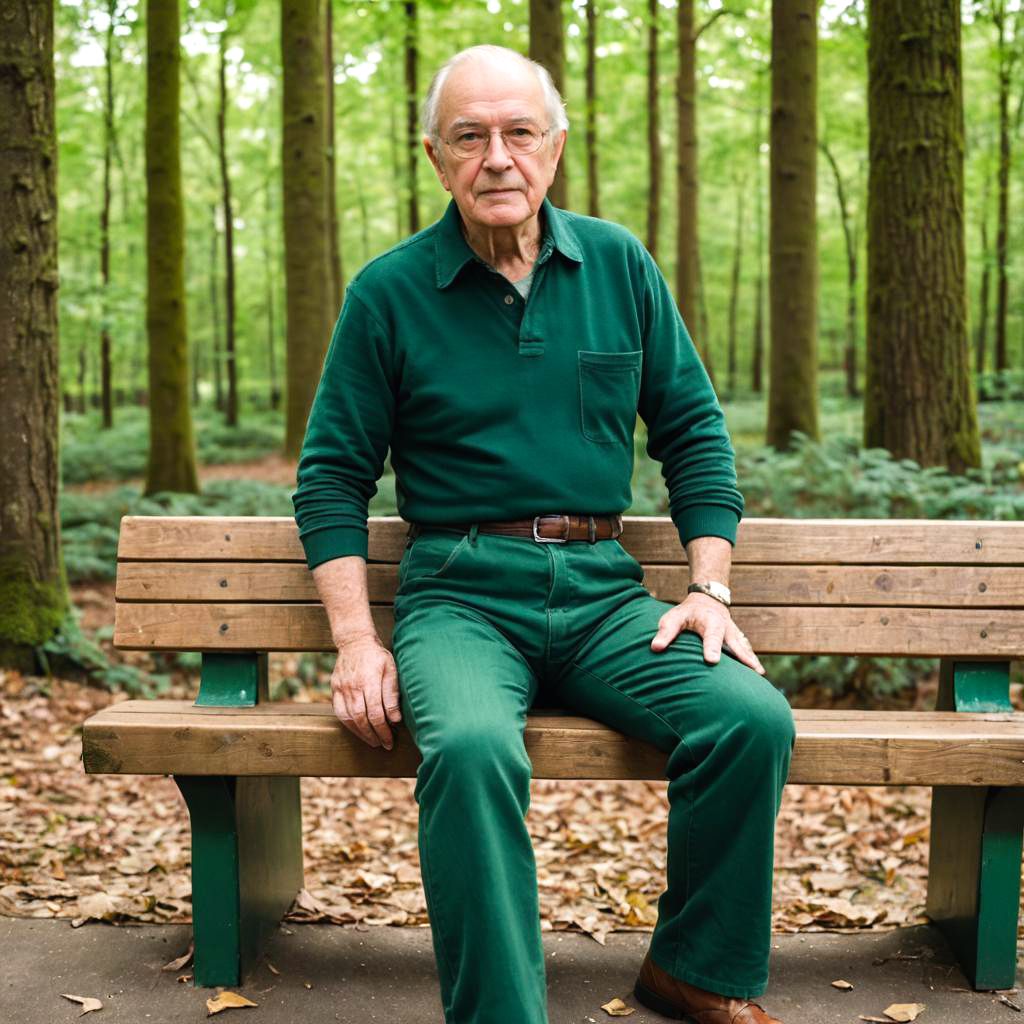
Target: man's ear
<point x="557" y="146"/>
<point x="435" y="161"/>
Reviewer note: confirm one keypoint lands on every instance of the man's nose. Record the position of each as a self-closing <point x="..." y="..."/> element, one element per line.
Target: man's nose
<point x="497" y="154"/>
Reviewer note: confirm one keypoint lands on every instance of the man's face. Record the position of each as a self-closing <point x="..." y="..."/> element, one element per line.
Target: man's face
<point x="498" y="188"/>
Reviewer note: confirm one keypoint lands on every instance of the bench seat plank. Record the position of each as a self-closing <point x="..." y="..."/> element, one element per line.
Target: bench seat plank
<point x="903" y="632"/>
<point x="648" y="538"/>
<point x="850" y="748"/>
<point x="880" y="585"/>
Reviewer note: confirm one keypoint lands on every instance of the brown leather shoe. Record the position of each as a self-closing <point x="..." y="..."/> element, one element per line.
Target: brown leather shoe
<point x="658" y="990"/>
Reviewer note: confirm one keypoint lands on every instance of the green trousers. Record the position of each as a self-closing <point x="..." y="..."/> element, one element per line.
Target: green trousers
<point x="484" y="624"/>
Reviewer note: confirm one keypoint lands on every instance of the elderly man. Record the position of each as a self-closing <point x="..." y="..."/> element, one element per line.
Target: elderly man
<point x="503" y="354"/>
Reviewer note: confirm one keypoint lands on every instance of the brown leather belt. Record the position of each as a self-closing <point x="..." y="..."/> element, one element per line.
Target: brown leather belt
<point x="553" y="529"/>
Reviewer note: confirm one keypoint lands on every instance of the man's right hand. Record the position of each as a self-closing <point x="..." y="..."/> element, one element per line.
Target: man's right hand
<point x="364" y="690"/>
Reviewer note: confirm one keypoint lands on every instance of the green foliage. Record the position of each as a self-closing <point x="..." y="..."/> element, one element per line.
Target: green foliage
<point x="1001" y="385"/>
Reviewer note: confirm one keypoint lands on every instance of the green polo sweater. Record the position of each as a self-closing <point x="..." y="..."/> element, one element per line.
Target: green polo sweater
<point x="500" y="408"/>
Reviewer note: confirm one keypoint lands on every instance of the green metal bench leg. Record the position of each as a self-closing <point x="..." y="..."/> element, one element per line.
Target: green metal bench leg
<point x="246" y="867"/>
<point x="975" y="857"/>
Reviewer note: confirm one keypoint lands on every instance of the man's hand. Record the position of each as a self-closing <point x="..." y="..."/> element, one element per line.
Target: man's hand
<point x="364" y="690"/>
<point x="709" y="619"/>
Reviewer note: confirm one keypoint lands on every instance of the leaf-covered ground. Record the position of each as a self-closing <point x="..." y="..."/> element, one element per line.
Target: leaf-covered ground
<point x="117" y="847"/>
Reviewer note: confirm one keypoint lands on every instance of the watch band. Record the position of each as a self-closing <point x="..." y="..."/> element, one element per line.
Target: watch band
<point x="718" y="591"/>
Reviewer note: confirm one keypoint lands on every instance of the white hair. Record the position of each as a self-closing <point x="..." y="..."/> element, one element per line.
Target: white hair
<point x="553" y="102"/>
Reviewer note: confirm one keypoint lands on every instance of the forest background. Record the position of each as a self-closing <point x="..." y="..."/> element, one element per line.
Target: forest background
<point x="812" y="431"/>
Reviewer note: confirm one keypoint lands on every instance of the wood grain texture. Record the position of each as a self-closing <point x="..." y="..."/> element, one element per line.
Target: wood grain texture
<point x="919" y="632"/>
<point x="881" y="585"/>
<point x="648" y="538"/>
<point x="865" y="748"/>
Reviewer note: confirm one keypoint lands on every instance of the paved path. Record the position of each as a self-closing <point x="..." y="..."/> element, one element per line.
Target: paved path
<point x="388" y="975"/>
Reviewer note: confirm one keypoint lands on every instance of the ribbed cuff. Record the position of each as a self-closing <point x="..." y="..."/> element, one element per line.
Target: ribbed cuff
<point x="334" y="542"/>
<point x="707" y="521"/>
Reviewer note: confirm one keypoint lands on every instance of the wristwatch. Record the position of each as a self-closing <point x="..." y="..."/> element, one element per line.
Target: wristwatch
<point x="719" y="591"/>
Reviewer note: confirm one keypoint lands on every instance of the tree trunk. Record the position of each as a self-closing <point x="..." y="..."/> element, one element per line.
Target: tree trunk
<point x="304" y="173"/>
<point x="653" y="142"/>
<point x="793" y="285"/>
<point x="269" y="263"/>
<point x="106" y="383"/>
<point x="231" y="419"/>
<point x="1003" y="222"/>
<point x="218" y="381"/>
<point x="33" y="585"/>
<point x="704" y="349"/>
<point x="850" y="350"/>
<point x="593" y="192"/>
<point x="918" y="400"/>
<point x="337" y="278"/>
<point x="981" y="333"/>
<point x="172" y="451"/>
<point x="547" y="47"/>
<point x="757" y="342"/>
<point x="686" y="175"/>
<point x="412" y="136"/>
<point x="734" y="287"/>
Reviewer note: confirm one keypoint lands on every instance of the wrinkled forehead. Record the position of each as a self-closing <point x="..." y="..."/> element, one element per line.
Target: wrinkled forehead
<point x="491" y="91"/>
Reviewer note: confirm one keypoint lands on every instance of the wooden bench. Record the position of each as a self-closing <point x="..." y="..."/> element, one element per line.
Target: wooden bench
<point x="237" y="588"/>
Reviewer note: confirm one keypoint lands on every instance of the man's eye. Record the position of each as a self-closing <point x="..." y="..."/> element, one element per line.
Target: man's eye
<point x="467" y="137"/>
<point x="520" y="133"/>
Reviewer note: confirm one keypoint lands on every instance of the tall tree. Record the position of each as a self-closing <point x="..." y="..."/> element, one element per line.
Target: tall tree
<point x="106" y="396"/>
<point x="686" y="171"/>
<point x="231" y="416"/>
<point x="172" y="453"/>
<point x="304" y="174"/>
<point x="547" y="47"/>
<point x="590" y="131"/>
<point x="1005" y="56"/>
<point x="33" y="585"/>
<point x="850" y="237"/>
<point x="918" y="400"/>
<point x="757" y="339"/>
<point x="793" y="245"/>
<point x="653" y="141"/>
<point x="981" y="332"/>
<point x="412" y="135"/>
<point x="734" y="287"/>
<point x="337" y="280"/>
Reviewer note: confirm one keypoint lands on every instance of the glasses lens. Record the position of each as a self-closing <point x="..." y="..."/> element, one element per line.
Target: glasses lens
<point x="517" y="139"/>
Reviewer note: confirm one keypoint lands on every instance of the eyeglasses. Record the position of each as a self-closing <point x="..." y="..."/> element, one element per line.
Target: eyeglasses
<point x="520" y="139"/>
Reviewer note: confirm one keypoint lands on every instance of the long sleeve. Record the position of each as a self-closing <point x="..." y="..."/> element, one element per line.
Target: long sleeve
<point x="347" y="437"/>
<point x="686" y="429"/>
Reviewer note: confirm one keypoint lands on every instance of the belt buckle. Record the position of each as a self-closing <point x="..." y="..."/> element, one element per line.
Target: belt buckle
<point x="548" y="540"/>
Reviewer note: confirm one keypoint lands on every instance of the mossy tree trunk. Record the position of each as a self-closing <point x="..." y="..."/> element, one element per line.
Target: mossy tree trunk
<point x="547" y="47"/>
<point x="590" y="75"/>
<point x="106" y="374"/>
<point x="304" y="173"/>
<point x="653" y="141"/>
<point x="793" y="238"/>
<point x="33" y="586"/>
<point x="1005" y="58"/>
<point x="918" y="400"/>
<point x="172" y="454"/>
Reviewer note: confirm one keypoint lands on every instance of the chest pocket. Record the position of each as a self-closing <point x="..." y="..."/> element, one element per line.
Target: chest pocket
<point x="609" y="390"/>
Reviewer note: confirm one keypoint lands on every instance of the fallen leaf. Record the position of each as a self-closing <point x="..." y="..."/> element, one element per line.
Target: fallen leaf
<point x="176" y="965"/>
<point x="272" y="968"/>
<point x="617" y="1008"/>
<point x="226" y="1001"/>
<point x="183" y="977"/>
<point x="903" y="1011"/>
<point x="840" y="984"/>
<point x="88" y="1003"/>
<point x="877" y="1020"/>
<point x="1010" y="1003"/>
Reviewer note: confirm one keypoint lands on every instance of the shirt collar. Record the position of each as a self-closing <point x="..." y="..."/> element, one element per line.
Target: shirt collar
<point x="453" y="251"/>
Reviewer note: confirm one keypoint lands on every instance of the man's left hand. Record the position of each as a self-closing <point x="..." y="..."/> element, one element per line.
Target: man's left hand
<point x="710" y="620"/>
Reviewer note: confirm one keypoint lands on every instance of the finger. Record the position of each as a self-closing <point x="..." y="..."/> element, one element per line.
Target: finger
<point x="362" y="718"/>
<point x="713" y="637"/>
<point x="668" y="629"/>
<point x="392" y="697"/>
<point x="378" y="719"/>
<point x="353" y="717"/>
<point x="740" y="646"/>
